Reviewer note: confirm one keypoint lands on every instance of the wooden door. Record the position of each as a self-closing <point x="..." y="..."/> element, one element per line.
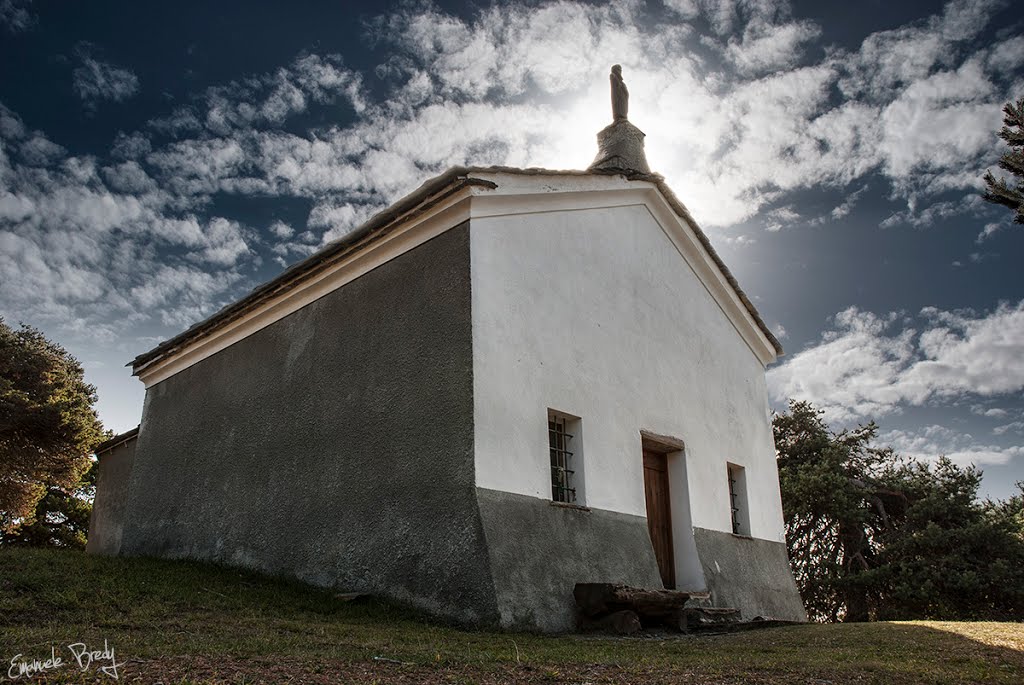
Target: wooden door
<point x="659" y="514"/>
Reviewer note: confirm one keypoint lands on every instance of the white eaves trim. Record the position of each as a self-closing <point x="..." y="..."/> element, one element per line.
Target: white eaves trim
<point x="431" y="224"/>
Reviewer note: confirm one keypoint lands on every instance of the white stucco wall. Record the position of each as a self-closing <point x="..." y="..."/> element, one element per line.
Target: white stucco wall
<point x="594" y="312"/>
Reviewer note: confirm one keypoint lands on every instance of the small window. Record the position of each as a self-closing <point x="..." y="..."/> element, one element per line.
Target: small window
<point x="566" y="458"/>
<point x="738" y="500"/>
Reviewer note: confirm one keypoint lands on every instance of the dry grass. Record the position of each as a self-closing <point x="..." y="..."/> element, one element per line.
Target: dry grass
<point x="177" y="622"/>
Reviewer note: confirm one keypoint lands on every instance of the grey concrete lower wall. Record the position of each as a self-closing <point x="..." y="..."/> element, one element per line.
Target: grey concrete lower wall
<point x="539" y="551"/>
<point x="334" y="446"/>
<point x="108" y="508"/>
<point x="749" y="574"/>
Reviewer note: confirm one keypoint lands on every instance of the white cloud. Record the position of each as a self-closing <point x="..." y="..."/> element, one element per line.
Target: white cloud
<point x="991" y="412"/>
<point x="977" y="257"/>
<point x="931" y="442"/>
<point x="182" y="120"/>
<point x="891" y="60"/>
<point x="724" y="16"/>
<point x="131" y="145"/>
<point x="337" y="220"/>
<point x="851" y="372"/>
<point x="777" y="219"/>
<point x="767" y="47"/>
<point x="523" y="86"/>
<point x="199" y="167"/>
<point x="963" y="353"/>
<point x="281" y="230"/>
<point x="867" y="366"/>
<point x="191" y="291"/>
<point x="95" y="80"/>
<point x="1014" y="426"/>
<point x="270" y="99"/>
<point x="11" y="126"/>
<point x="734" y="141"/>
<point x="40" y="151"/>
<point x="740" y="240"/>
<point x="555" y="46"/>
<point x="972" y="204"/>
<point x="844" y="209"/>
<point x="81" y="243"/>
<point x="685" y="9"/>
<point x="130" y="178"/>
<point x="938" y="121"/>
<point x="292" y="246"/>
<point x="15" y="15"/>
<point x="989" y="230"/>
<point x="1007" y="55"/>
<point x="223" y="242"/>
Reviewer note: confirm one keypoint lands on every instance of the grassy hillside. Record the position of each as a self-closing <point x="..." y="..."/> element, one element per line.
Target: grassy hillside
<point x="178" y="622"/>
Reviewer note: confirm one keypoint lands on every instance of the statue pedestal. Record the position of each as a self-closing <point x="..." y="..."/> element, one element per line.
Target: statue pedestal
<point x="620" y="147"/>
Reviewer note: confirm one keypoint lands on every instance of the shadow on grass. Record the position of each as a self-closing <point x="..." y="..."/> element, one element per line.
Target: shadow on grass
<point x="178" y="621"/>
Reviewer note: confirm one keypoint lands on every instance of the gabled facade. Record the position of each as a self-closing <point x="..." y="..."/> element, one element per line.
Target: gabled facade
<point x="509" y="382"/>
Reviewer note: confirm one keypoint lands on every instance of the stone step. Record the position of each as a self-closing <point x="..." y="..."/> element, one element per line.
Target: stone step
<point x="693" y="619"/>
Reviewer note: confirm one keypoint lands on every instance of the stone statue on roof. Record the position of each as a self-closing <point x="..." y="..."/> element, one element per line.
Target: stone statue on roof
<point x="620" y="94"/>
<point x="620" y="145"/>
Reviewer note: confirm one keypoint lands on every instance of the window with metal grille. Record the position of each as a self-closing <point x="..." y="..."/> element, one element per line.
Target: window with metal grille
<point x="738" y="500"/>
<point x="563" y="466"/>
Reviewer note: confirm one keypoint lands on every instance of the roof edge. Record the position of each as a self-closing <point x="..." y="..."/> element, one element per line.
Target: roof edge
<point x="684" y="213"/>
<point x="431" y="192"/>
<point x="678" y="207"/>
<point x="113" y="442"/>
<point x="434" y="189"/>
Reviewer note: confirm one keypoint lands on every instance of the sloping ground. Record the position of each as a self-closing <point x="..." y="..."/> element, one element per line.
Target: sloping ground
<point x="176" y="622"/>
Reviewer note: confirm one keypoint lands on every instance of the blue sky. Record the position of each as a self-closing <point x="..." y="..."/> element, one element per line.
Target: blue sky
<point x="158" y="161"/>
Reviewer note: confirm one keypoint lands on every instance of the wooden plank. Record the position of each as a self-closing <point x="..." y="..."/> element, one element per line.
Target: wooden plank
<point x="599" y="599"/>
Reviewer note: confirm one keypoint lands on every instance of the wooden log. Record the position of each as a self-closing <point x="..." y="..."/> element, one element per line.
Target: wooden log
<point x="591" y="598"/>
<point x="678" y="620"/>
<point x="619" y="623"/>
<point x="599" y="599"/>
<point x="623" y="622"/>
<point x="625" y="610"/>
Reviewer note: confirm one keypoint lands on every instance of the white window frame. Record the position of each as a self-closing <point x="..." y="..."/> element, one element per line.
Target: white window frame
<point x="565" y="458"/>
<point x="739" y="503"/>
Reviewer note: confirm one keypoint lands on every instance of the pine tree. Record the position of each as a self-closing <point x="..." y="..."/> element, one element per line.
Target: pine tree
<point x="61" y="517"/>
<point x="998" y="191"/>
<point x="873" y="535"/>
<point x="48" y="426"/>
